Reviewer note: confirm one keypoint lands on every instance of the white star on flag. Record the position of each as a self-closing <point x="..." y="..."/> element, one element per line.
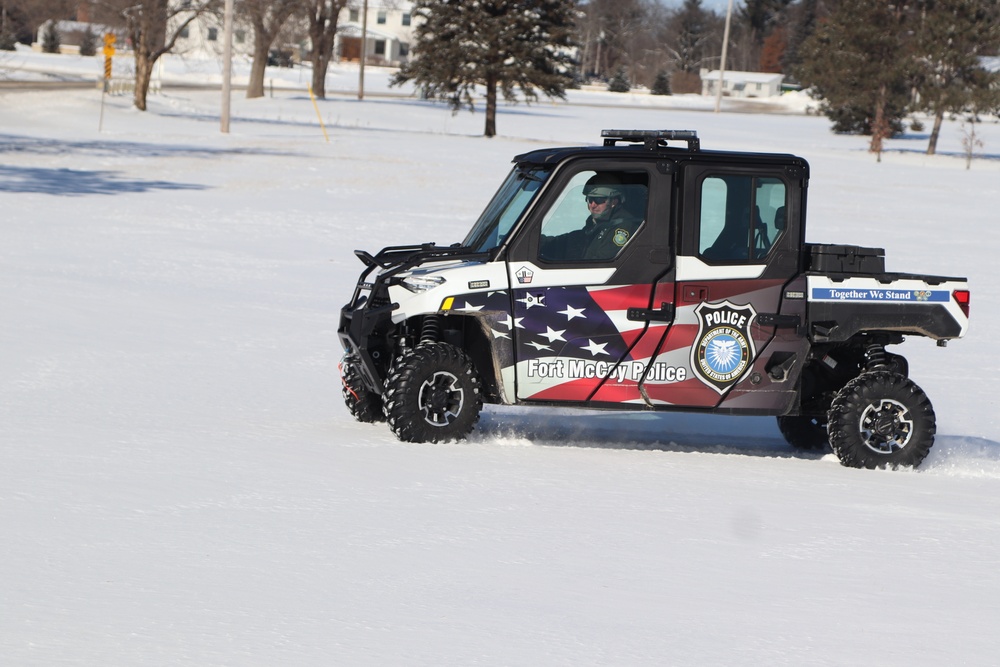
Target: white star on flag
<point x="553" y="335"/>
<point x="499" y="334"/>
<point x="530" y="301"/>
<point x="572" y="312"/>
<point x="594" y="348"/>
<point x="540" y="347"/>
<point x="469" y="307"/>
<point x="507" y="322"/>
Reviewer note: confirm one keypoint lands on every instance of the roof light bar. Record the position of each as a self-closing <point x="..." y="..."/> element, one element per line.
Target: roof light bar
<point x="652" y="139"/>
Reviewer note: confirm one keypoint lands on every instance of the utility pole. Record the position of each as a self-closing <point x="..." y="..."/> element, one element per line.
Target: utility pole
<point x="227" y="64"/>
<point x="722" y="65"/>
<point x="364" y="48"/>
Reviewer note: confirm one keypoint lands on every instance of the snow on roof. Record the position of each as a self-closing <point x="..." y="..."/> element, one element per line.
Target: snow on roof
<point x="991" y="63"/>
<point x="749" y="77"/>
<point x="354" y="30"/>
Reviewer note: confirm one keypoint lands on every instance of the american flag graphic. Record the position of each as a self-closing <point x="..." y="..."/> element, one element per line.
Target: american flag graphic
<point x="577" y="344"/>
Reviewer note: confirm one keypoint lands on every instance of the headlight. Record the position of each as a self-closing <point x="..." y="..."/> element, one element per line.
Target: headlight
<point x="421" y="283"/>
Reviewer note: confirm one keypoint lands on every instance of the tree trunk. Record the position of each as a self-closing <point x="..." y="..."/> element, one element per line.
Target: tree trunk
<point x="320" y="65"/>
<point x="255" y="86"/>
<point x="491" y="107"/>
<point x="143" y="74"/>
<point x="936" y="131"/>
<point x="880" y="129"/>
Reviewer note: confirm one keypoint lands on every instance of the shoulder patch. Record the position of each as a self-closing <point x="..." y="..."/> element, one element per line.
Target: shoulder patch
<point x="621" y="237"/>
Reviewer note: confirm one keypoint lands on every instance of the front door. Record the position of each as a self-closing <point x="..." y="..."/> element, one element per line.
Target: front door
<point x="587" y="312"/>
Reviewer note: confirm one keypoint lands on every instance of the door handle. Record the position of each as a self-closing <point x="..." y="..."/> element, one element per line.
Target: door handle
<point x="695" y="293"/>
<point x="664" y="314"/>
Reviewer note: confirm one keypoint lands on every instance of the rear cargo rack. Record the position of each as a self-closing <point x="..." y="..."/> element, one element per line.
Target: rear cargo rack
<point x="652" y="139"/>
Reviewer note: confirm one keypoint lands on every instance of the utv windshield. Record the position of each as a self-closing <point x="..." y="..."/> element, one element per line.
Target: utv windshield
<point x="506" y="208"/>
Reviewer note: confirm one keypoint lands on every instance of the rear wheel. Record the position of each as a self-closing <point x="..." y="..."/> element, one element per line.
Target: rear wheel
<point x="804" y="432"/>
<point x="364" y="404"/>
<point x="433" y="394"/>
<point x="881" y="419"/>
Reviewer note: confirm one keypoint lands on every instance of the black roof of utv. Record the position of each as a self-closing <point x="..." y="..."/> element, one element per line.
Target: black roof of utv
<point x="631" y="144"/>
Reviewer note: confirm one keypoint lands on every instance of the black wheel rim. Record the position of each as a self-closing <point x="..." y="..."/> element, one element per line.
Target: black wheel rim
<point x="886" y="426"/>
<point x="441" y="399"/>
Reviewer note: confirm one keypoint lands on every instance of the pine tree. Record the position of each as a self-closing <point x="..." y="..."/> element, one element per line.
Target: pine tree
<point x="691" y="26"/>
<point x="619" y="82"/>
<point x="860" y="63"/>
<point x="661" y="86"/>
<point x="510" y="46"/>
<point x="802" y="18"/>
<point x="88" y="43"/>
<point x="8" y="41"/>
<point x="951" y="36"/>
<point x="50" y="38"/>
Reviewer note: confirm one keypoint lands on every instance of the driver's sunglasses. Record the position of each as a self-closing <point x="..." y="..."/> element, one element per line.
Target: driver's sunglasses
<point x="597" y="200"/>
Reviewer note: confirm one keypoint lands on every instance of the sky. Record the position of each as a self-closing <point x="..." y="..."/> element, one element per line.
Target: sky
<point x="182" y="484"/>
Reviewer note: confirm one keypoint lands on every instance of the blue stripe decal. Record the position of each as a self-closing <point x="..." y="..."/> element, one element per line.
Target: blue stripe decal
<point x="866" y="294"/>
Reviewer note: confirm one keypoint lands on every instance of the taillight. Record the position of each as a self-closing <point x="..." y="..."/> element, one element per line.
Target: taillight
<point x="961" y="297"/>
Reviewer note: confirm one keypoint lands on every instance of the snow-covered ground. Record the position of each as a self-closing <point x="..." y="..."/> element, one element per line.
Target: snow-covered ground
<point x="181" y="484"/>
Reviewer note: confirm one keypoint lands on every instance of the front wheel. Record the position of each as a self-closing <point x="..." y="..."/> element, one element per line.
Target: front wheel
<point x="881" y="419"/>
<point x="364" y="404"/>
<point x="433" y="395"/>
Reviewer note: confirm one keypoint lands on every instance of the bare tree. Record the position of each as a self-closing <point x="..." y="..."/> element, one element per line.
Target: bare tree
<point x="323" y="16"/>
<point x="267" y="18"/>
<point x="152" y="28"/>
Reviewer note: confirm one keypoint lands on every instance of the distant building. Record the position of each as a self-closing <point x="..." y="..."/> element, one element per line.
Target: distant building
<point x="203" y="37"/>
<point x="389" y="28"/>
<point x="741" y="84"/>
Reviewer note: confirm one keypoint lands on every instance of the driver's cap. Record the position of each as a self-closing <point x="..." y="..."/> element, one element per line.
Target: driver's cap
<point x="603" y="185"/>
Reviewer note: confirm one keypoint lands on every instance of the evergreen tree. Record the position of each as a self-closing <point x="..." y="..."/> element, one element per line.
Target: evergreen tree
<point x="801" y="25"/>
<point x="619" y="82"/>
<point x="759" y="18"/>
<point x="88" y="42"/>
<point x="8" y="40"/>
<point x="661" y="86"/>
<point x="951" y="37"/>
<point x="50" y="38"/>
<point x="508" y="46"/>
<point x="860" y="64"/>
<point x="692" y="30"/>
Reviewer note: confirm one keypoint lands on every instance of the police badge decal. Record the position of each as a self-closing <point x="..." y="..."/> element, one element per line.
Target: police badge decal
<point x="723" y="349"/>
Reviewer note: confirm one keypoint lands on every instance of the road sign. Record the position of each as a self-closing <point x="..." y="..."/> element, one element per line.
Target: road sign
<point x="109" y="50"/>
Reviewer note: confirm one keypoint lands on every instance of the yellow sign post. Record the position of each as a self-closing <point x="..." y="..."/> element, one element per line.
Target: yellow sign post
<point x="109" y="51"/>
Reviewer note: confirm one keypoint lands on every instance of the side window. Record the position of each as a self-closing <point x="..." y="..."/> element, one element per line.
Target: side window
<point x="741" y="217"/>
<point x="595" y="216"/>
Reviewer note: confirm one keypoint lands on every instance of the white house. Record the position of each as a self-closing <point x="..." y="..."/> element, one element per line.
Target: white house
<point x="389" y="28"/>
<point x="741" y="84"/>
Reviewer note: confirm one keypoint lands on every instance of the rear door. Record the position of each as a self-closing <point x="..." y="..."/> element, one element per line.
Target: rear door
<point x="735" y="306"/>
<point x="584" y="321"/>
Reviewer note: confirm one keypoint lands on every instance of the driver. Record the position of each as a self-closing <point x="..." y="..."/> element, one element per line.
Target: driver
<point x="606" y="230"/>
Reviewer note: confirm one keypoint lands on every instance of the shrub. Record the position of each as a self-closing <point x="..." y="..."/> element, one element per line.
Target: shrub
<point x="661" y="86"/>
<point x="88" y="43"/>
<point x="619" y="82"/>
<point x="50" y="38"/>
<point x="7" y="41"/>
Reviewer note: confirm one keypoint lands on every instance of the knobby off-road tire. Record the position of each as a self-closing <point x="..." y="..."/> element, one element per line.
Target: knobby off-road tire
<point x="365" y="405"/>
<point x="881" y="419"/>
<point x="433" y="394"/>
<point x="808" y="434"/>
